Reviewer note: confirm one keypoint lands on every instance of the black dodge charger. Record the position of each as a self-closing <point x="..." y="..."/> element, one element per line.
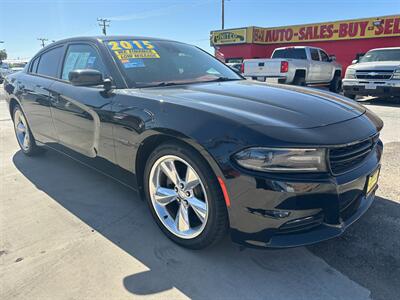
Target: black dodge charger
<point x="275" y="166"/>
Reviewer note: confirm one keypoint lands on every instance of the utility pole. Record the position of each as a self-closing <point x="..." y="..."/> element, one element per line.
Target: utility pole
<point x="42" y="41"/>
<point x="104" y="23"/>
<point x="223" y="13"/>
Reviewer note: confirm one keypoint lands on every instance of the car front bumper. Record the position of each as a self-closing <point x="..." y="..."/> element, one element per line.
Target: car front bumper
<point x="287" y="211"/>
<point x="381" y="88"/>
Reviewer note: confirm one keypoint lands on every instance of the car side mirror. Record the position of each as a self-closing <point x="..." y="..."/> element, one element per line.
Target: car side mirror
<point x="332" y="58"/>
<point x="88" y="77"/>
<point x="354" y="61"/>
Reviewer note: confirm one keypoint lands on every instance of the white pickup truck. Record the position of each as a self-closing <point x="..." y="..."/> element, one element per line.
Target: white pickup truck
<point x="377" y="73"/>
<point x="296" y="65"/>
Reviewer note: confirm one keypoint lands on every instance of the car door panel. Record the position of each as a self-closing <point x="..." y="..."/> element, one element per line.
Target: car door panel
<point x="81" y="114"/>
<point x="80" y="118"/>
<point x="315" y="66"/>
<point x="326" y="67"/>
<point x="36" y="101"/>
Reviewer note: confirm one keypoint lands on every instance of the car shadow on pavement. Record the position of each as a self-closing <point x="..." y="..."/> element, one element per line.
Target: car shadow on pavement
<point x="225" y="270"/>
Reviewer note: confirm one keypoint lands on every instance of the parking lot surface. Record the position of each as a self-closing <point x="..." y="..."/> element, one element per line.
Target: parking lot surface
<point x="69" y="232"/>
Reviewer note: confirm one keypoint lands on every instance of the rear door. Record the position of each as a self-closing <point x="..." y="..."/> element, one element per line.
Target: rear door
<point x="326" y="67"/>
<point x="36" y="96"/>
<point x="80" y="113"/>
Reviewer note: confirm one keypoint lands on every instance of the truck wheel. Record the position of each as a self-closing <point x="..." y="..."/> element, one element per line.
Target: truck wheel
<point x="336" y="84"/>
<point x="351" y="96"/>
<point x="298" y="80"/>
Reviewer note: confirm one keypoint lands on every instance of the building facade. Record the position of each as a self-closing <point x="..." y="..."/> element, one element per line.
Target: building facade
<point x="346" y="39"/>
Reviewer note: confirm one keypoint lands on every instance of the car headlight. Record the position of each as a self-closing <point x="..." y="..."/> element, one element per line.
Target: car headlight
<point x="350" y="73"/>
<point x="282" y="159"/>
<point x="396" y="74"/>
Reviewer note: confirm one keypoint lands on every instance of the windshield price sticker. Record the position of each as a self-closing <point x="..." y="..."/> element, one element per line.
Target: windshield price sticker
<point x="126" y="51"/>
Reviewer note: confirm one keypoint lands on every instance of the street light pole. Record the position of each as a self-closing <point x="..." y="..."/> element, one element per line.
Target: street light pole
<point x="223" y="13"/>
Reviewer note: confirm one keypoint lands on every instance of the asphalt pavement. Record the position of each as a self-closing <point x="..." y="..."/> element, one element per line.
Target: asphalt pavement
<point x="69" y="232"/>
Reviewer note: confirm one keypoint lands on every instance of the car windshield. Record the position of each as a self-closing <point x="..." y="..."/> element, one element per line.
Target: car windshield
<point x="156" y="63"/>
<point x="382" y="55"/>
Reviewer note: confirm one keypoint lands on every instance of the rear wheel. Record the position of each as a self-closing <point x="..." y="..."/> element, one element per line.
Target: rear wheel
<point x="299" y="80"/>
<point x="184" y="196"/>
<point x="23" y="133"/>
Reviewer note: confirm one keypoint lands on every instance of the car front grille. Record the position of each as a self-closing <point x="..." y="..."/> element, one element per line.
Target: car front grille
<point x="346" y="158"/>
<point x="374" y="74"/>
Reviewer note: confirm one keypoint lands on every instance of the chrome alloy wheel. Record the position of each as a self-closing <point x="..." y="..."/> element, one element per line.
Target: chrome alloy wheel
<point x="21" y="130"/>
<point x="178" y="196"/>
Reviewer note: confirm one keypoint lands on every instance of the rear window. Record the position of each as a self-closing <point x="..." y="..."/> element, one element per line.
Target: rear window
<point x="49" y="62"/>
<point x="295" y="53"/>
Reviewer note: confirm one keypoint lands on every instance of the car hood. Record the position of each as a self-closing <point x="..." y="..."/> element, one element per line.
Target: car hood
<point x="250" y="103"/>
<point x="377" y="65"/>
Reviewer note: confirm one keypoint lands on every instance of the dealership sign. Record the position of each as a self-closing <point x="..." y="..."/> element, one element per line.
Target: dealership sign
<point x="330" y="31"/>
<point x="231" y="36"/>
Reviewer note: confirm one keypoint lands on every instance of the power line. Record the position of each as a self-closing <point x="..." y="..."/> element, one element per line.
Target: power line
<point x="42" y="41"/>
<point x="104" y="23"/>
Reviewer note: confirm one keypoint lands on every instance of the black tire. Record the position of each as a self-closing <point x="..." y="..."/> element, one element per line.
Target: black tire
<point x="217" y="221"/>
<point x="299" y="80"/>
<point x="351" y="96"/>
<point x="336" y="84"/>
<point x="32" y="148"/>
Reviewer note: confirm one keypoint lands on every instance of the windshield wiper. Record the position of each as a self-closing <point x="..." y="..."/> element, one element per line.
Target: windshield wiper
<point x="221" y="79"/>
<point x="171" y="83"/>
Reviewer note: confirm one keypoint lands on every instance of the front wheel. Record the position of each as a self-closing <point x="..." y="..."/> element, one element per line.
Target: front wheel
<point x="23" y="133"/>
<point x="336" y="84"/>
<point x="184" y="196"/>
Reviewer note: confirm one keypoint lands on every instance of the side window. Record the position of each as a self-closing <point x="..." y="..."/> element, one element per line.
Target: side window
<point x="314" y="54"/>
<point x="34" y="65"/>
<point x="324" y="56"/>
<point x="81" y="56"/>
<point x="49" y="62"/>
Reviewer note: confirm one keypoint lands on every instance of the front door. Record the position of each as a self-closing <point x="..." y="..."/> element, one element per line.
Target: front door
<point x="80" y="113"/>
<point x="315" y="66"/>
<point x="327" y="67"/>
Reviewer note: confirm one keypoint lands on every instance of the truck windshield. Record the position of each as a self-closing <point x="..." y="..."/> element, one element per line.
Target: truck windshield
<point x="295" y="53"/>
<point x="147" y="63"/>
<point x="382" y="55"/>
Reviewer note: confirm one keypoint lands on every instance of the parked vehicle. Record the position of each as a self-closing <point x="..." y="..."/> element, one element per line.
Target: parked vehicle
<point x="277" y="166"/>
<point x="4" y="70"/>
<point x="237" y="67"/>
<point x="377" y="73"/>
<point x="297" y="65"/>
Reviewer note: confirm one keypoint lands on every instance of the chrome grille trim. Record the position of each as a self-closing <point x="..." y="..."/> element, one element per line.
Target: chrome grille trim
<point x="374" y="74"/>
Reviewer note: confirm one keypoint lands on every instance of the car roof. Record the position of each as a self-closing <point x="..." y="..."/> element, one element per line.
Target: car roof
<point x="297" y="47"/>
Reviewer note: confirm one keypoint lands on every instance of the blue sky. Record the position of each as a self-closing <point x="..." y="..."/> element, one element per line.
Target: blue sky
<point x="23" y="21"/>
